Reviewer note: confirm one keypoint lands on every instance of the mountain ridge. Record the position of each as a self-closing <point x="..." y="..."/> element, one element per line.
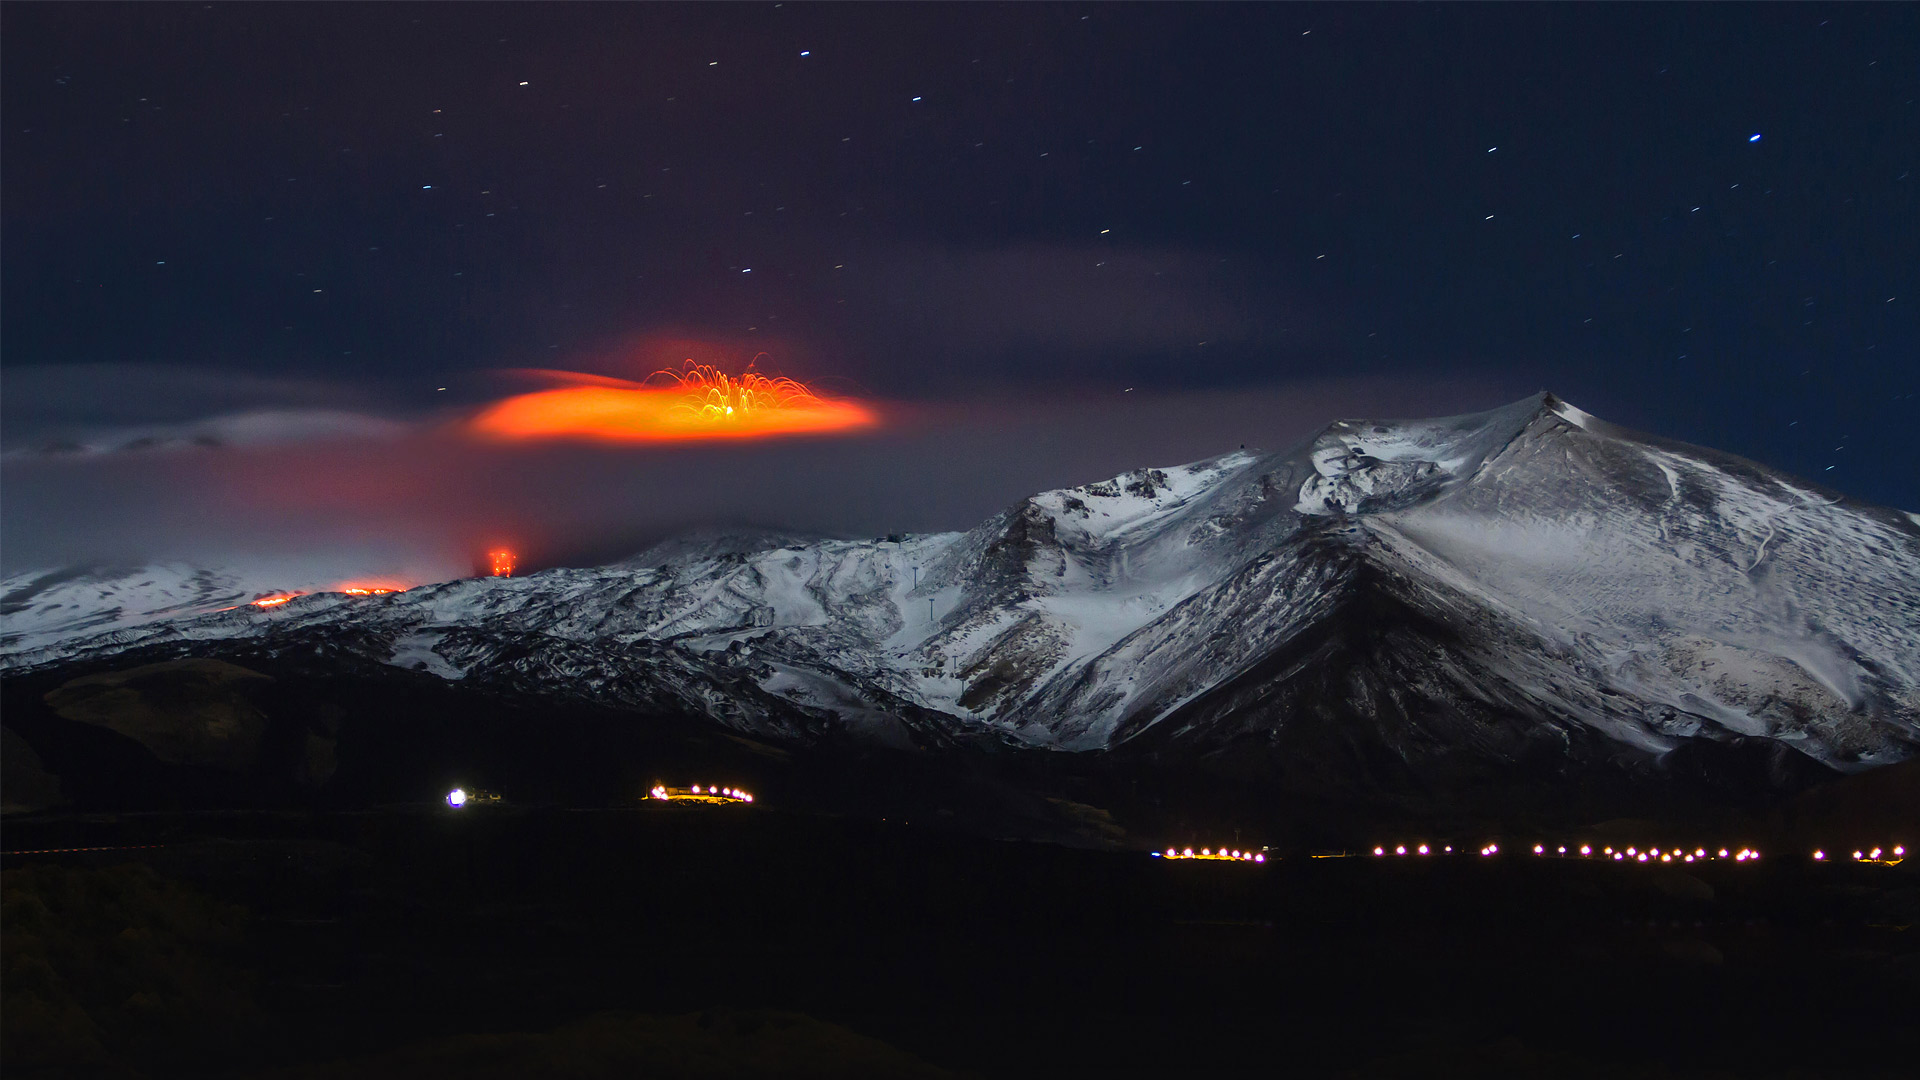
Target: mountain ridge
<point x="1446" y="596"/>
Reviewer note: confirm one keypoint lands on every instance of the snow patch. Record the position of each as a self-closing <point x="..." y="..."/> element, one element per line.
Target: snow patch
<point x="415" y="652"/>
<point x="1577" y="417"/>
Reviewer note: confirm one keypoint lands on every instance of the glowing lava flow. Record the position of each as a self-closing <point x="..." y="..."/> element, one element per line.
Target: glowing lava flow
<point x="350" y="589"/>
<point x="698" y="402"/>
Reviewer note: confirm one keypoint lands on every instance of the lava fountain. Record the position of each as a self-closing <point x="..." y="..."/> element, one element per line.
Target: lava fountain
<point x="698" y="402"/>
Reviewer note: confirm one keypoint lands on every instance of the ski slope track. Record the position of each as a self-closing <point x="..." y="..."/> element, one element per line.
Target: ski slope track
<point x="1525" y="584"/>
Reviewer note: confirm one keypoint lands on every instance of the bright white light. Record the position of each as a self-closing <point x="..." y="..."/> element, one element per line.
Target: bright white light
<point x="1819" y="856"/>
<point x="1401" y="850"/>
<point x="1586" y="849"/>
<point x="1900" y="851"/>
<point x="1423" y="849"/>
<point x="456" y="798"/>
<point x="1259" y="858"/>
<point x="1379" y="851"/>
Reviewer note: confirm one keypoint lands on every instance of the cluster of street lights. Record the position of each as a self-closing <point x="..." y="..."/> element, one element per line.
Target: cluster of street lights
<point x="1426" y="849"/>
<point x="1876" y="856"/>
<point x="1672" y="855"/>
<point x="1222" y="855"/>
<point x="1585" y="851"/>
<point x="709" y="794"/>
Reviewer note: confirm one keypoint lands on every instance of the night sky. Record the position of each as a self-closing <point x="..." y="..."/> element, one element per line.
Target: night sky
<point x="284" y="229"/>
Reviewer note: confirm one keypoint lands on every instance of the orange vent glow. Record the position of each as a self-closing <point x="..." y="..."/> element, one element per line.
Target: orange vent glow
<point x="698" y="402"/>
<point x="274" y="601"/>
<point x="502" y="561"/>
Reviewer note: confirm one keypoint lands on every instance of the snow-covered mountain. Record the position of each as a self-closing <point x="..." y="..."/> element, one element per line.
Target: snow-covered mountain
<point x="1482" y="588"/>
<point x="50" y="606"/>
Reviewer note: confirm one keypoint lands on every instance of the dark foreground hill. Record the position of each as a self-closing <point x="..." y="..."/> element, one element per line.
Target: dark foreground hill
<point x="724" y="942"/>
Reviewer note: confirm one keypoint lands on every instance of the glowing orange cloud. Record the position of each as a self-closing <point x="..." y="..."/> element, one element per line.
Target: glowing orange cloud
<point x="699" y="402"/>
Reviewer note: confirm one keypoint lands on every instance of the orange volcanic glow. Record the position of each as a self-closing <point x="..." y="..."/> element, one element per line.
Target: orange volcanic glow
<point x="363" y="588"/>
<point x="698" y="402"/>
<point x="503" y="561"/>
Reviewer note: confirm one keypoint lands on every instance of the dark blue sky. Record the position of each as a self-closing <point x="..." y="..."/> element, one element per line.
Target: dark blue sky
<point x="926" y="202"/>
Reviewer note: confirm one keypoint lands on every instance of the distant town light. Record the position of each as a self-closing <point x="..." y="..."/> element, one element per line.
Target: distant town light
<point x="457" y="798"/>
